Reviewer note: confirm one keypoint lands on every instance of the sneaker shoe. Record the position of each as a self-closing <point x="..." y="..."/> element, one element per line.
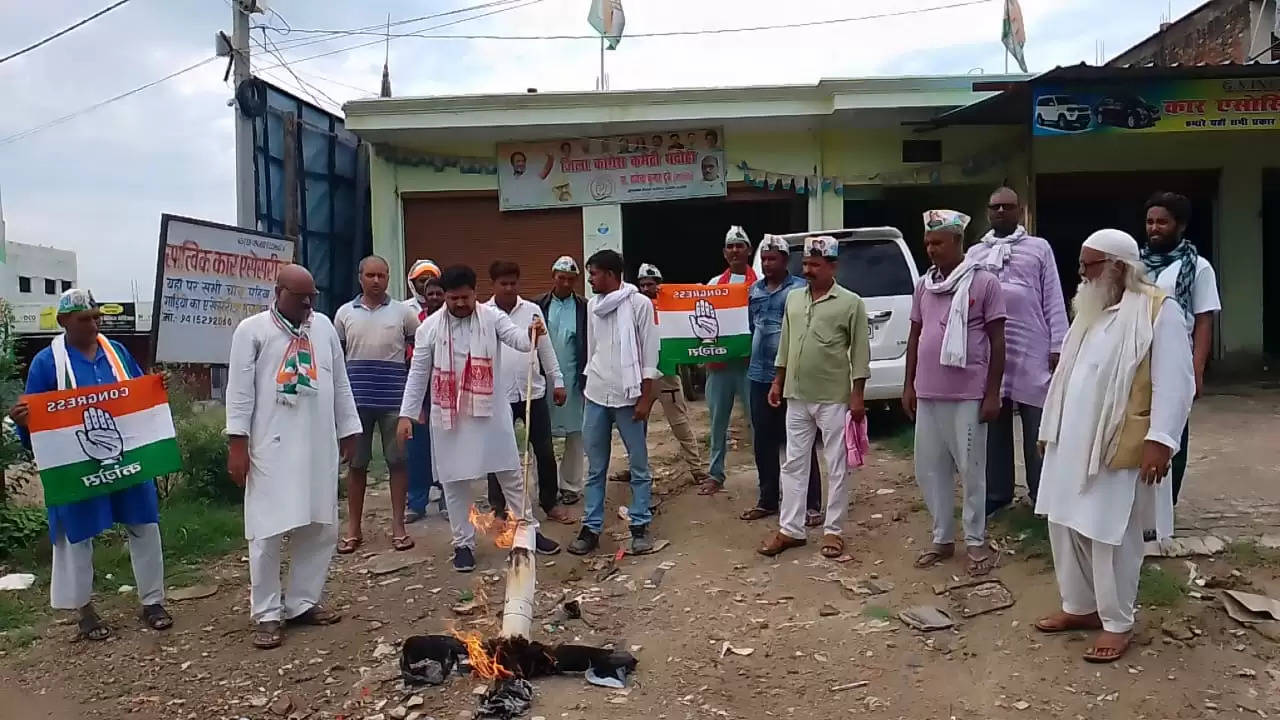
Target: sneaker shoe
<point x="464" y="560"/>
<point x="587" y="542"/>
<point x="413" y="516"/>
<point x="546" y="546"/>
<point x="641" y="543"/>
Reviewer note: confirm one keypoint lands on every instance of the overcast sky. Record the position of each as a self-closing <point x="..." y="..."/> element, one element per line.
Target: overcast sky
<point x="98" y="184"/>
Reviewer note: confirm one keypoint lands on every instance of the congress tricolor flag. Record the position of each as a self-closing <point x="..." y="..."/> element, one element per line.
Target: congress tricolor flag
<point x="702" y="324"/>
<point x="96" y="440"/>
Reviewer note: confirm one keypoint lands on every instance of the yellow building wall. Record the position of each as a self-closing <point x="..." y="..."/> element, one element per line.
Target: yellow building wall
<point x="1240" y="158"/>
<point x="865" y="159"/>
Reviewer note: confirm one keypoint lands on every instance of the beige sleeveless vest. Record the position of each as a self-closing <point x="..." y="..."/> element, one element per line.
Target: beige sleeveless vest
<point x="1137" y="413"/>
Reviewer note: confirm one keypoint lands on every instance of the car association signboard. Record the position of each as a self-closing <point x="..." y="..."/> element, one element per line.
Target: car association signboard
<point x="643" y="167"/>
<point x="1170" y="106"/>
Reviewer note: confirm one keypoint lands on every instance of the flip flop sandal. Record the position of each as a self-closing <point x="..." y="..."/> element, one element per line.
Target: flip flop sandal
<point x="316" y="615"/>
<point x="402" y="543"/>
<point x="980" y="567"/>
<point x="778" y="544"/>
<point x="156" y="617"/>
<point x="268" y="635"/>
<point x="348" y="545"/>
<point x="814" y="519"/>
<point x="832" y="546"/>
<point x="562" y="516"/>
<point x="569" y="497"/>
<point x="1068" y="623"/>
<point x="756" y="514"/>
<point x="1093" y="655"/>
<point x="931" y="557"/>
<point x="92" y="628"/>
<point x="710" y="488"/>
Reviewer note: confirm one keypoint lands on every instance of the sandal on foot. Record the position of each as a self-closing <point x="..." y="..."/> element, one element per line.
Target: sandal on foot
<point x="813" y="518"/>
<point x="756" y="513"/>
<point x="710" y="487"/>
<point x="561" y="515"/>
<point x="156" y="617"/>
<point x="348" y="545"/>
<point x="401" y="543"/>
<point x="316" y="615"/>
<point x="832" y="546"/>
<point x="1066" y="622"/>
<point x="569" y="497"/>
<point x="979" y="566"/>
<point x="778" y="544"/>
<point x="268" y="635"/>
<point x="933" y="556"/>
<point x="1102" y="654"/>
<point x="91" y="627"/>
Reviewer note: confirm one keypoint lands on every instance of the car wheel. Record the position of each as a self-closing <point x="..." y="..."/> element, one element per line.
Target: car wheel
<point x="1132" y="121"/>
<point x="1062" y="121"/>
<point x="1039" y="119"/>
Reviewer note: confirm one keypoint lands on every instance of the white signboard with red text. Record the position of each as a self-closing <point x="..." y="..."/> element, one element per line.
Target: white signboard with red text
<point x="209" y="277"/>
<point x="601" y="171"/>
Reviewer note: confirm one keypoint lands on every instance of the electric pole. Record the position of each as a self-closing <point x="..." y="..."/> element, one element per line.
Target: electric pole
<point x="246" y="213"/>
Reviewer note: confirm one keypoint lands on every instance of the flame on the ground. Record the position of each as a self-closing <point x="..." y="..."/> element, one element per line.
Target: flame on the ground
<point x="503" y="531"/>
<point x="482" y="664"/>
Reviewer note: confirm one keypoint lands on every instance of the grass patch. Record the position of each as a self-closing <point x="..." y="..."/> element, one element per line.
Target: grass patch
<point x="1028" y="531"/>
<point x="1249" y="553"/>
<point x="19" y="608"/>
<point x="1159" y="588"/>
<point x="18" y="639"/>
<point x="878" y="612"/>
<point x="900" y="440"/>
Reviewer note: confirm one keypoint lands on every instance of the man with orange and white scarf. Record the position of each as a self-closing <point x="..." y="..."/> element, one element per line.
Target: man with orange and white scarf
<point x="426" y="297"/>
<point x="455" y="354"/>
<point x="290" y="416"/>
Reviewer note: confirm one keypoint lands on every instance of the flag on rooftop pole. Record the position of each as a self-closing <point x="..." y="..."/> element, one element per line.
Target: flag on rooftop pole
<point x="1014" y="34"/>
<point x="607" y="18"/>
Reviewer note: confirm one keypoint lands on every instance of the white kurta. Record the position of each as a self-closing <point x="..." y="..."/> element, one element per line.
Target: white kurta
<point x="293" y="449"/>
<point x="1099" y="507"/>
<point x="474" y="446"/>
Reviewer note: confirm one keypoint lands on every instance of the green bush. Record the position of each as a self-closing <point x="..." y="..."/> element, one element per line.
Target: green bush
<point x="20" y="526"/>
<point x="203" y="444"/>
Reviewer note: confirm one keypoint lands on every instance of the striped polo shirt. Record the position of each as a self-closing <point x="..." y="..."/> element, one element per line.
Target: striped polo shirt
<point x="374" y="341"/>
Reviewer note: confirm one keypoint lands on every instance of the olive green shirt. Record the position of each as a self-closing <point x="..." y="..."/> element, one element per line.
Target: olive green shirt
<point x="825" y="345"/>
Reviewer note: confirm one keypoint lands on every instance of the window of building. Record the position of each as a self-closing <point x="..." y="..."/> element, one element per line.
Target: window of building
<point x="24" y="284"/>
<point x="66" y="285"/>
<point x="50" y="286"/>
<point x="921" y="151"/>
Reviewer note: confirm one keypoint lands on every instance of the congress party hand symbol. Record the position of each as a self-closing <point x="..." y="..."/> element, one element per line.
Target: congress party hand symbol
<point x="100" y="439"/>
<point x="706" y="327"/>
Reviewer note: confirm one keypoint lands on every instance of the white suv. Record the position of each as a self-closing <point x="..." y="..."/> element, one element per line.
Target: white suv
<point x="1062" y="112"/>
<point x="876" y="264"/>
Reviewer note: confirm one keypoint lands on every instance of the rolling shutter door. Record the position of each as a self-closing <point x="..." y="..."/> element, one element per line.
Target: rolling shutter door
<point x="468" y="228"/>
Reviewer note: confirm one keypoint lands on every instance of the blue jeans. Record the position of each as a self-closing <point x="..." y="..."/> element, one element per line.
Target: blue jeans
<point x="420" y="476"/>
<point x="597" y="435"/>
<point x="722" y="386"/>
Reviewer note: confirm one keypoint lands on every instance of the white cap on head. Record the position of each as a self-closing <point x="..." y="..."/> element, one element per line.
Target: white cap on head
<point x="565" y="264"/>
<point x="649" y="271"/>
<point x="736" y="236"/>
<point x="1116" y="243"/>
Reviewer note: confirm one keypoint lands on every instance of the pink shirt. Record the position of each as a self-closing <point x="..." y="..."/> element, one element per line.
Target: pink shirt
<point x="935" y="381"/>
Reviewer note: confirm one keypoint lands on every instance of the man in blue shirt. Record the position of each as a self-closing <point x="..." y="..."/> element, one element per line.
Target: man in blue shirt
<point x="767" y="302"/>
<point x="80" y="357"/>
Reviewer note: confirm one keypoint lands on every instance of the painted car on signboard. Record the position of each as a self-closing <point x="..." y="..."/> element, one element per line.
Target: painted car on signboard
<point x="1126" y="111"/>
<point x="1063" y="112"/>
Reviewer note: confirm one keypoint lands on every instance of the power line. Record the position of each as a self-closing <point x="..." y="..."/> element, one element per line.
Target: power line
<point x="71" y="116"/>
<point x="669" y="33"/>
<point x="306" y="87"/>
<point x="64" y="31"/>
<point x="433" y="27"/>
<point x="303" y="42"/>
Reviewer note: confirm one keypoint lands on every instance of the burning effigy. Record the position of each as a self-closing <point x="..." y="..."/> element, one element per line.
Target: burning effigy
<point x="512" y="659"/>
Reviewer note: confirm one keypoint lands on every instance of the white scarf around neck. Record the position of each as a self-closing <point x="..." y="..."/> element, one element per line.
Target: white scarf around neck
<point x="994" y="252"/>
<point x="628" y="344"/>
<point x="955" y="339"/>
<point x="466" y="390"/>
<point x="1134" y="322"/>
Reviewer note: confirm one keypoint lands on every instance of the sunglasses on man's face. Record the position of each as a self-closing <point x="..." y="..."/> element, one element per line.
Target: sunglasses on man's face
<point x="1007" y="207"/>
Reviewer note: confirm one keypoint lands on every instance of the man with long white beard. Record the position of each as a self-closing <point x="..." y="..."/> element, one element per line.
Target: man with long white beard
<point x="1116" y="407"/>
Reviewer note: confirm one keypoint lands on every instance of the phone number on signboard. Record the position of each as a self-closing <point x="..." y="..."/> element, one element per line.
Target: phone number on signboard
<point x="188" y="319"/>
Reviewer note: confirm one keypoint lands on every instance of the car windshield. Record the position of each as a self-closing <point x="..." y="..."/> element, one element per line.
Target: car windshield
<point x="1065" y="100"/>
<point x="870" y="268"/>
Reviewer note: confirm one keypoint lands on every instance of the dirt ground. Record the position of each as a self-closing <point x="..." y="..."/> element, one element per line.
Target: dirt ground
<point x="819" y="646"/>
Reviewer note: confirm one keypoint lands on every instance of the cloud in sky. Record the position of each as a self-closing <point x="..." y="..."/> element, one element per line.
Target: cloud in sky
<point x="98" y="184"/>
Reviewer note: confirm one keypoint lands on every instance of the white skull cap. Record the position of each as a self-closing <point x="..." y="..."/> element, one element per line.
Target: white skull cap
<point x="649" y="271"/>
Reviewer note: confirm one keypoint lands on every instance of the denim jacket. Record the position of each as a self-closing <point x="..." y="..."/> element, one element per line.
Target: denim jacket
<point x="765" y="310"/>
